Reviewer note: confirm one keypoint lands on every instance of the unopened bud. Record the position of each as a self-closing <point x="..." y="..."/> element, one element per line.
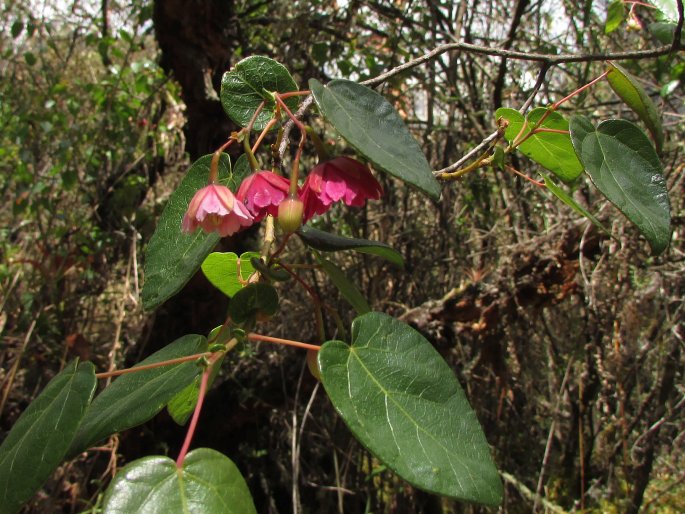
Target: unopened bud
<point x="290" y="213"/>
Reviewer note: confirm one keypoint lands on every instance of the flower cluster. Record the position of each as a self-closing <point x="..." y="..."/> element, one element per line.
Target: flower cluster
<point x="214" y="208"/>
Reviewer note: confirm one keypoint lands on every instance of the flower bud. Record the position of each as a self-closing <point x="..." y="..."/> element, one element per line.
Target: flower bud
<point x="290" y="213"/>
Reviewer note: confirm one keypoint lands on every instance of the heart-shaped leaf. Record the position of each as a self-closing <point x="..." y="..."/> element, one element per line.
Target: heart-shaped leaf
<point x="41" y="436"/>
<point x="221" y="269"/>
<point x="402" y="401"/>
<point x="251" y="82"/>
<point x="635" y="97"/>
<point x="134" y="398"/>
<point x="327" y="242"/>
<point x="207" y="483"/>
<point x="372" y="126"/>
<point x="623" y="165"/>
<point x="172" y="257"/>
<point x="552" y="150"/>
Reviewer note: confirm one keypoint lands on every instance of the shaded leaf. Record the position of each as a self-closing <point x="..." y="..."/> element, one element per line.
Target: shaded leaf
<point x="172" y="257"/>
<point x="562" y="195"/>
<point x="372" y="126"/>
<point x="221" y="269"/>
<point x="402" y="401"/>
<point x="253" y="301"/>
<point x="207" y="483"/>
<point x="249" y="83"/>
<point x="623" y="165"/>
<point x="635" y="97"/>
<point x="551" y="150"/>
<point x="345" y="286"/>
<point x="327" y="242"/>
<point x="39" y="440"/>
<point x="134" y="398"/>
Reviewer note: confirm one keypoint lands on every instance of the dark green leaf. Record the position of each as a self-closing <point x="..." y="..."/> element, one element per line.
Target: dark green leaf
<point x="30" y="58"/>
<point x="208" y="483"/>
<point x="616" y="13"/>
<point x="221" y="269"/>
<point x="623" y="165"/>
<point x="402" y="401"/>
<point x="17" y="28"/>
<point x="562" y="195"/>
<point x="551" y="150"/>
<point x="172" y="257"/>
<point x="182" y="405"/>
<point x="327" y="242"/>
<point x="346" y="287"/>
<point x="372" y="126"/>
<point x="254" y="301"/>
<point x="41" y="436"/>
<point x="665" y="32"/>
<point x="635" y="97"/>
<point x="249" y="83"/>
<point x="134" y="398"/>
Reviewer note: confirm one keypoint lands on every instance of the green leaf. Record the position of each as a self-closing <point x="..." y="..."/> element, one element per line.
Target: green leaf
<point x="551" y="150"/>
<point x="635" y="97"/>
<point x="402" y="401"/>
<point x="30" y="58"/>
<point x="372" y="126"/>
<point x="253" y="301"/>
<point x="221" y="269"/>
<point x="134" y="398"/>
<point x="207" y="483"/>
<point x="665" y="32"/>
<point x="616" y="13"/>
<point x="346" y="287"/>
<point x="568" y="200"/>
<point x="17" y="28"/>
<point x="623" y="165"/>
<point x="327" y="242"/>
<point x="182" y="405"/>
<point x="40" y="438"/>
<point x="668" y="9"/>
<point x="172" y="257"/>
<point x="251" y="82"/>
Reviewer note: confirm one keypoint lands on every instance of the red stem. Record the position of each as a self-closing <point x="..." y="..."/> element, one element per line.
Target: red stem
<point x="196" y="416"/>
<point x="535" y="182"/>
<point x="170" y="362"/>
<point x="288" y="342"/>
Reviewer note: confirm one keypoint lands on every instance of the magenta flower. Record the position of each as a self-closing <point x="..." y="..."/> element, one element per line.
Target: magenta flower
<point x="262" y="192"/>
<point x="343" y="179"/>
<point x="215" y="209"/>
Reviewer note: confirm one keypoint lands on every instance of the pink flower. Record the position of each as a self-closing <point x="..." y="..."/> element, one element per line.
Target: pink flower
<point x="262" y="192"/>
<point x="215" y="209"/>
<point x="343" y="179"/>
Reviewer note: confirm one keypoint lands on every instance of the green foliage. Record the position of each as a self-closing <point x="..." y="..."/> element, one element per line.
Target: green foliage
<point x="634" y="95"/>
<point x="251" y="82"/>
<point x="616" y="14"/>
<point x="134" y="398"/>
<point x="327" y="242"/>
<point x="253" y="302"/>
<point x="345" y="286"/>
<point x="372" y="126"/>
<point x="39" y="440"/>
<point x="552" y="150"/>
<point x="172" y="257"/>
<point x="402" y="401"/>
<point x="207" y="483"/>
<point x="221" y="269"/>
<point x="623" y="165"/>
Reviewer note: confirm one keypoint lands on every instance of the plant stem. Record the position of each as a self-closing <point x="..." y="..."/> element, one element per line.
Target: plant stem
<point x="169" y="362"/>
<point x="288" y="342"/>
<point x="196" y="416"/>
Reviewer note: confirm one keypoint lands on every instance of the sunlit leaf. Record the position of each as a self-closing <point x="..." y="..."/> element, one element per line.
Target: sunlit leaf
<point x="251" y="82"/>
<point x="403" y="402"/>
<point x="207" y="483"/>
<point x="221" y="269"/>
<point x="616" y="13"/>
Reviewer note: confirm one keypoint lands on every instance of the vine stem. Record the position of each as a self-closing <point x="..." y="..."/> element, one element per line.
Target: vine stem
<point x="169" y="362"/>
<point x="288" y="342"/>
<point x="196" y="416"/>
